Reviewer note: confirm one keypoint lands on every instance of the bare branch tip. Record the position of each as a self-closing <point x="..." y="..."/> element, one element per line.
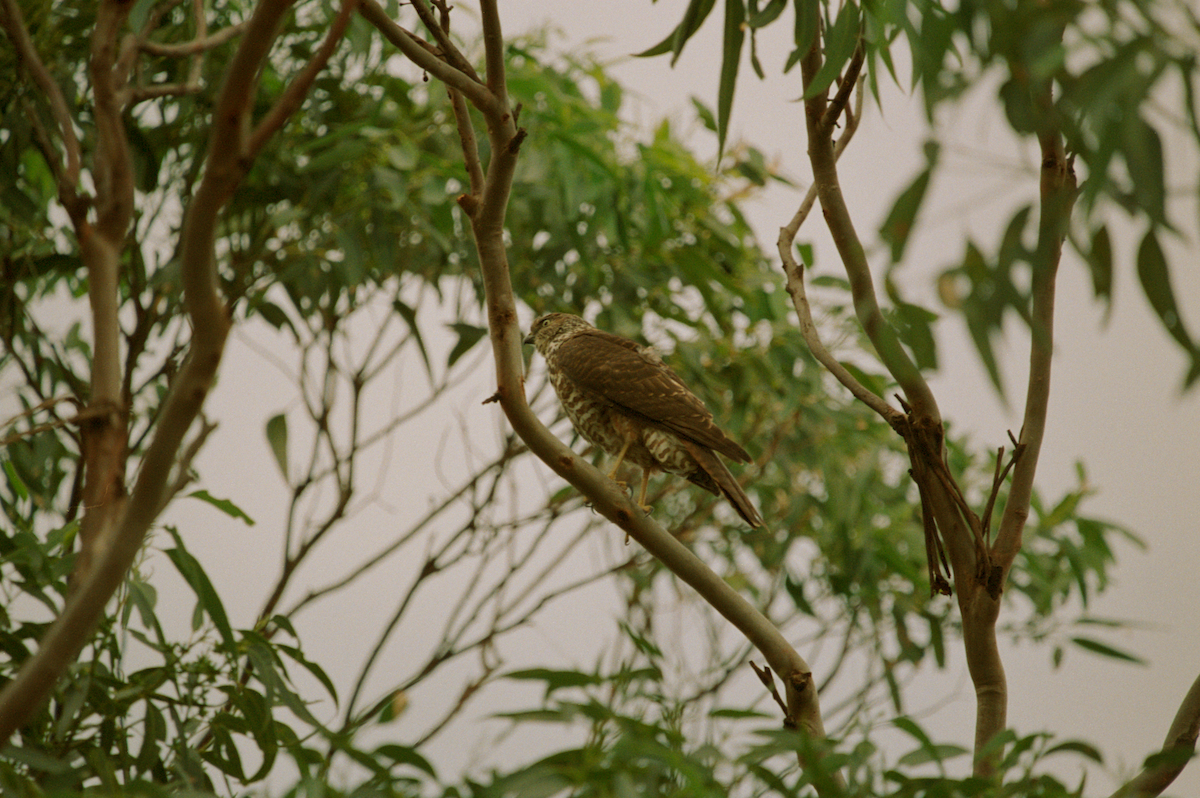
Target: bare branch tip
<point x="514" y="144"/>
<point x="468" y="203"/>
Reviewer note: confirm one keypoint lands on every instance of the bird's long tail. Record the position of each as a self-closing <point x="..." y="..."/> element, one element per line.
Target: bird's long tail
<point x="725" y="482"/>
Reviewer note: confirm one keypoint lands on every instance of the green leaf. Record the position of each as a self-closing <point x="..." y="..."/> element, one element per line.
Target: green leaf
<point x="206" y="596"/>
<point x="409" y="314"/>
<point x="840" y="42"/>
<point x="804" y="33"/>
<point x="693" y="17"/>
<point x="899" y="223"/>
<point x="910" y="727"/>
<point x="277" y="437"/>
<point x="1155" y="277"/>
<point x="705" y="115"/>
<point x="731" y="59"/>
<point x="914" y="326"/>
<point x="1077" y="747"/>
<point x="739" y="714"/>
<point x="1105" y="650"/>
<point x="15" y="482"/>
<point x="143" y="597"/>
<point x="224" y="505"/>
<point x="556" y="679"/>
<point x="1100" y="261"/>
<point x="934" y="753"/>
<point x="1143" y="152"/>
<point x="767" y="14"/>
<point x="1018" y="105"/>
<point x="154" y="733"/>
<point x="403" y="755"/>
<point x="313" y="668"/>
<point x="468" y="336"/>
<point x="937" y="639"/>
<point x="274" y="315"/>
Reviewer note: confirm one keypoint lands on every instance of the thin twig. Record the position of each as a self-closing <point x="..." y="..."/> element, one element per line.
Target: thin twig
<point x="441" y="34"/>
<point x="425" y="56"/>
<point x="200" y="44"/>
<point x="291" y="98"/>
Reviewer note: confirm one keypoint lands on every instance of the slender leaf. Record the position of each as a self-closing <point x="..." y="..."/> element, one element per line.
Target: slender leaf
<point x="899" y="223"/>
<point x="409" y="314"/>
<point x="808" y="18"/>
<point x="1077" y="747"/>
<point x="206" y="596"/>
<point x="277" y="437"/>
<point x="1105" y="650"/>
<point x="468" y="336"/>
<point x="224" y="505"/>
<point x="764" y="16"/>
<point x="1100" y="262"/>
<point x="403" y="755"/>
<point x="731" y="58"/>
<point x="1143" y="152"/>
<point x="934" y="753"/>
<point x="697" y="11"/>
<point x="840" y="42"/>
<point x="914" y="326"/>
<point x="1155" y="277"/>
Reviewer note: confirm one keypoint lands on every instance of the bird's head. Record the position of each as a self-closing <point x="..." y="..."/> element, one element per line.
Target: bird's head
<point x="552" y="329"/>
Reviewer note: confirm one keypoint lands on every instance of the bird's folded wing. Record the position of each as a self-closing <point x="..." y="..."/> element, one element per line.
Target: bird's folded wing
<point x="639" y="384"/>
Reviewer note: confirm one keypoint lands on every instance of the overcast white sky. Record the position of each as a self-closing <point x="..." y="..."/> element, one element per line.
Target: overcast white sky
<point x="1116" y="404"/>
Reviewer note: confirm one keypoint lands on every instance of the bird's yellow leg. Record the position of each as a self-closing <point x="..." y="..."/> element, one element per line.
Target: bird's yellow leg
<point x="642" y="493"/>
<point x="612" y="474"/>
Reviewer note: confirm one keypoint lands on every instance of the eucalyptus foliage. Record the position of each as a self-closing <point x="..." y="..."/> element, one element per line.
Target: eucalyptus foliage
<point x="1122" y="75"/>
<point x="352" y="207"/>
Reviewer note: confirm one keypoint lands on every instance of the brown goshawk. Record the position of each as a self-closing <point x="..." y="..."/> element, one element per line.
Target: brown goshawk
<point x="621" y="397"/>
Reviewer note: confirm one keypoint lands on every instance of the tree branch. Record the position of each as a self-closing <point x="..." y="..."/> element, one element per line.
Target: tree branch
<point x="200" y="44"/>
<point x="794" y="273"/>
<point x="845" y="236"/>
<point x="441" y="34"/>
<point x="1178" y="749"/>
<point x="425" y="56"/>
<point x="297" y="90"/>
<point x="66" y="176"/>
<point x="209" y="319"/>
<point x="1058" y="192"/>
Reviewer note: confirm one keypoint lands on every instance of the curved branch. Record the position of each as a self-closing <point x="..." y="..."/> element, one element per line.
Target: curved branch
<point x="845" y="237"/>
<point x="297" y="90"/>
<point x="1178" y="748"/>
<point x="425" y="56"/>
<point x="196" y="46"/>
<point x="794" y="273"/>
<point x="1058" y="192"/>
